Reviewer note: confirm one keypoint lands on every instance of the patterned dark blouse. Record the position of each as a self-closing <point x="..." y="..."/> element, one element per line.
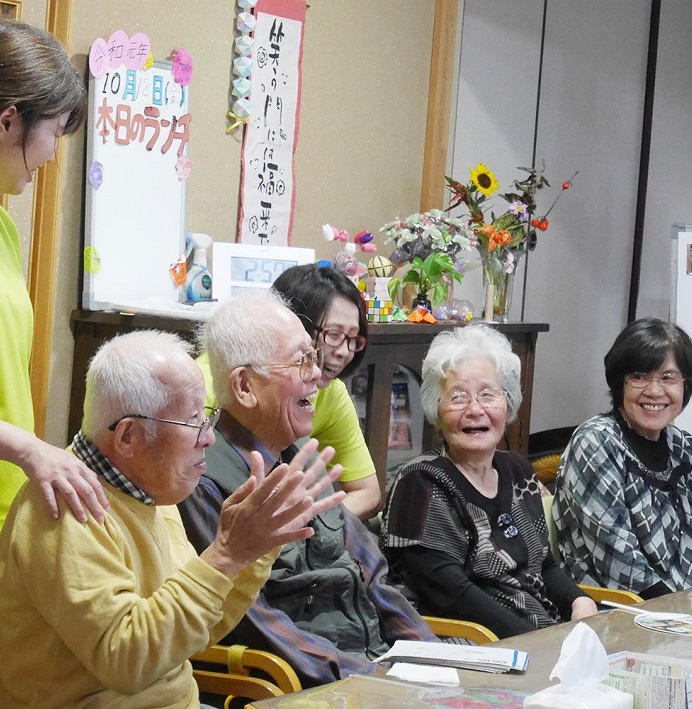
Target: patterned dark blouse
<point x="471" y="557"/>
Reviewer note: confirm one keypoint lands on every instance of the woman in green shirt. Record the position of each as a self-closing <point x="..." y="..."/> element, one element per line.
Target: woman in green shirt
<point x="42" y="97"/>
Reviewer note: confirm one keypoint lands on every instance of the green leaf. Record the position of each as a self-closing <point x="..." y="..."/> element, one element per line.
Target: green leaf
<point x="393" y="288"/>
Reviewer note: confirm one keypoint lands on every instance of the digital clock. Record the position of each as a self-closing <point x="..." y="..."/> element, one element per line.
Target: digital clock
<point x="238" y="268"/>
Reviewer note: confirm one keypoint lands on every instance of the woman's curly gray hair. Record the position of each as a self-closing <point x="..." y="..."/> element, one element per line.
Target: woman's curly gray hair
<point x="452" y="348"/>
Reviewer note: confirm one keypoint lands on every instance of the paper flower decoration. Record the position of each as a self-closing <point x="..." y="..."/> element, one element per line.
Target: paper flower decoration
<point x="183" y="167"/>
<point x="96" y="174"/>
<point x="182" y="67"/>
<point x="345" y="259"/>
<point x="92" y="261"/>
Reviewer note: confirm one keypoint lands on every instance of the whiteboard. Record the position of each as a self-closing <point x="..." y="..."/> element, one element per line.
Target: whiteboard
<point x="137" y="131"/>
<point x="681" y="296"/>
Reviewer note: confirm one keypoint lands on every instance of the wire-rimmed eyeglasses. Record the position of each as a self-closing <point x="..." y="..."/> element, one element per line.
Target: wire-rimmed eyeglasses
<point x="490" y="398"/>
<point x="209" y="422"/>
<point x="641" y="380"/>
<point x="305" y="364"/>
<point x="336" y="338"/>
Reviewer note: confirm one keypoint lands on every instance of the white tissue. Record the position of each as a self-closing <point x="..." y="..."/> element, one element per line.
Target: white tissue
<point x="581" y="667"/>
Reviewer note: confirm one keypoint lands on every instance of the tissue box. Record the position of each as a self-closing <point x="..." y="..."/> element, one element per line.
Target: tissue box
<point x="598" y="696"/>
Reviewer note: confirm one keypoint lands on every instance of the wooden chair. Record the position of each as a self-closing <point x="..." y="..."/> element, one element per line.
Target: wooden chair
<point x="229" y="671"/>
<point x="452" y="628"/>
<point x="598" y="593"/>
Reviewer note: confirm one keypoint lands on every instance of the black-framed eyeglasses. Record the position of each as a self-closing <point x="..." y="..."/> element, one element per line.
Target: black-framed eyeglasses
<point x="209" y="422"/>
<point x="490" y="398"/>
<point x="641" y="380"/>
<point x="336" y="338"/>
<point x="305" y="364"/>
<point x="506" y="524"/>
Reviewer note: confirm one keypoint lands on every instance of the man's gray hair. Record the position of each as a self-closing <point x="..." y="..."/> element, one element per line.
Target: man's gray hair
<point x="128" y="375"/>
<point x="237" y="334"/>
<point x="452" y="348"/>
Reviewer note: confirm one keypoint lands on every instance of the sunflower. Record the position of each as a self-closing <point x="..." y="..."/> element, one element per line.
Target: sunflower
<point x="484" y="180"/>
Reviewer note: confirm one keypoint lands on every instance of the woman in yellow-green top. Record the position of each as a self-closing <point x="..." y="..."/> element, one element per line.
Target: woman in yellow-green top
<point x="42" y="97"/>
<point x="333" y="313"/>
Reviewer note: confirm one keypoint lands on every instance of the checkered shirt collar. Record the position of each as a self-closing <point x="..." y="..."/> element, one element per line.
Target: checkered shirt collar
<point x="91" y="456"/>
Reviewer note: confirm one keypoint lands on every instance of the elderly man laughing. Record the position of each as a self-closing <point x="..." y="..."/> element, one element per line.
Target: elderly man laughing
<point x="107" y="614"/>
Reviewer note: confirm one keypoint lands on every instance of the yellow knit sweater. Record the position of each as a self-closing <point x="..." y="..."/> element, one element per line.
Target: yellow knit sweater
<point x="107" y="615"/>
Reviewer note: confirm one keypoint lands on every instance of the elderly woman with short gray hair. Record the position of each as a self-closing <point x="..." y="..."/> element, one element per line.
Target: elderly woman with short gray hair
<point x="463" y="526"/>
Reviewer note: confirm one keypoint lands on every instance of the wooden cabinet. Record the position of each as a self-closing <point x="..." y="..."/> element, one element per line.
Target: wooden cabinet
<point x="390" y="346"/>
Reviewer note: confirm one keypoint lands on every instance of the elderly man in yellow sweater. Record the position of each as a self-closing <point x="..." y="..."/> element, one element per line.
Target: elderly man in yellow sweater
<point x="107" y="614"/>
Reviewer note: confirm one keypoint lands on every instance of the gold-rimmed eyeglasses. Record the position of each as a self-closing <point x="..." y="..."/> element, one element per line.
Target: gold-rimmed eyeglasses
<point x="305" y="363"/>
<point x="208" y="423"/>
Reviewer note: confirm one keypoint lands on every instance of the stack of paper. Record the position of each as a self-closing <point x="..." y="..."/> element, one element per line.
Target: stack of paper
<point x="467" y="657"/>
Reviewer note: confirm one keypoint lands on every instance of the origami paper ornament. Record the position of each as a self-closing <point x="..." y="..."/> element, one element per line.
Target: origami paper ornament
<point x="241" y="107"/>
<point x="245" y="22"/>
<point x="241" y="87"/>
<point x="246" y="4"/>
<point x="92" y="261"/>
<point x="242" y="66"/>
<point x="243" y="45"/>
<point x="96" y="174"/>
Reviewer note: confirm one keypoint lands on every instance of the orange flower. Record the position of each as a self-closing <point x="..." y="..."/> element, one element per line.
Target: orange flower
<point x="495" y="238"/>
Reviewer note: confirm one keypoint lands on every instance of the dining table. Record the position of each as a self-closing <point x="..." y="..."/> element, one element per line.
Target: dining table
<point x="615" y="627"/>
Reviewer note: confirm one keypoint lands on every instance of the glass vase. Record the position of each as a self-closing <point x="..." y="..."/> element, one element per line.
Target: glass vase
<point x="495" y="273"/>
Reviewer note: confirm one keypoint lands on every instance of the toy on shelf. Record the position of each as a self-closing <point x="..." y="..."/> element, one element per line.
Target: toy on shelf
<point x="345" y="259"/>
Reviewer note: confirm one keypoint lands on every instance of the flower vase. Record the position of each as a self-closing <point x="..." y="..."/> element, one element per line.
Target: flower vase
<point x="500" y="275"/>
<point x="422" y="301"/>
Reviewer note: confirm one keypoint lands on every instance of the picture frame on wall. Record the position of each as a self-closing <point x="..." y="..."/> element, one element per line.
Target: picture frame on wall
<point x="10" y="9"/>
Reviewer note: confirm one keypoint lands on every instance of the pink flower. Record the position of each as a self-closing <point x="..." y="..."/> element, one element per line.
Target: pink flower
<point x="182" y="67"/>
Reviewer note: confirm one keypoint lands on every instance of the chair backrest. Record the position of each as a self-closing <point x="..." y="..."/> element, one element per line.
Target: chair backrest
<point x="452" y="628"/>
<point x="597" y="593"/>
<point x="228" y="670"/>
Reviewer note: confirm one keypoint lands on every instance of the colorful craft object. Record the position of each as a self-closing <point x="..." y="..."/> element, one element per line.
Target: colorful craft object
<point x="182" y="67"/>
<point x="243" y="45"/>
<point x="245" y="22"/>
<point x="242" y="66"/>
<point x="345" y="259"/>
<point x="379" y="310"/>
<point x="96" y="174"/>
<point x="422" y="315"/>
<point x="178" y="272"/>
<point x="241" y="87"/>
<point x="92" y="261"/>
<point x="183" y="167"/>
<point x="239" y="111"/>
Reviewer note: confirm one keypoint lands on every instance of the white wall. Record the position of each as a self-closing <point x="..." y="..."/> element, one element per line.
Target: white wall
<point x="590" y="120"/>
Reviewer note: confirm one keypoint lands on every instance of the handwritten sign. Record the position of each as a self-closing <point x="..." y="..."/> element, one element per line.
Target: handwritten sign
<point x="138" y="134"/>
<point x="268" y="190"/>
